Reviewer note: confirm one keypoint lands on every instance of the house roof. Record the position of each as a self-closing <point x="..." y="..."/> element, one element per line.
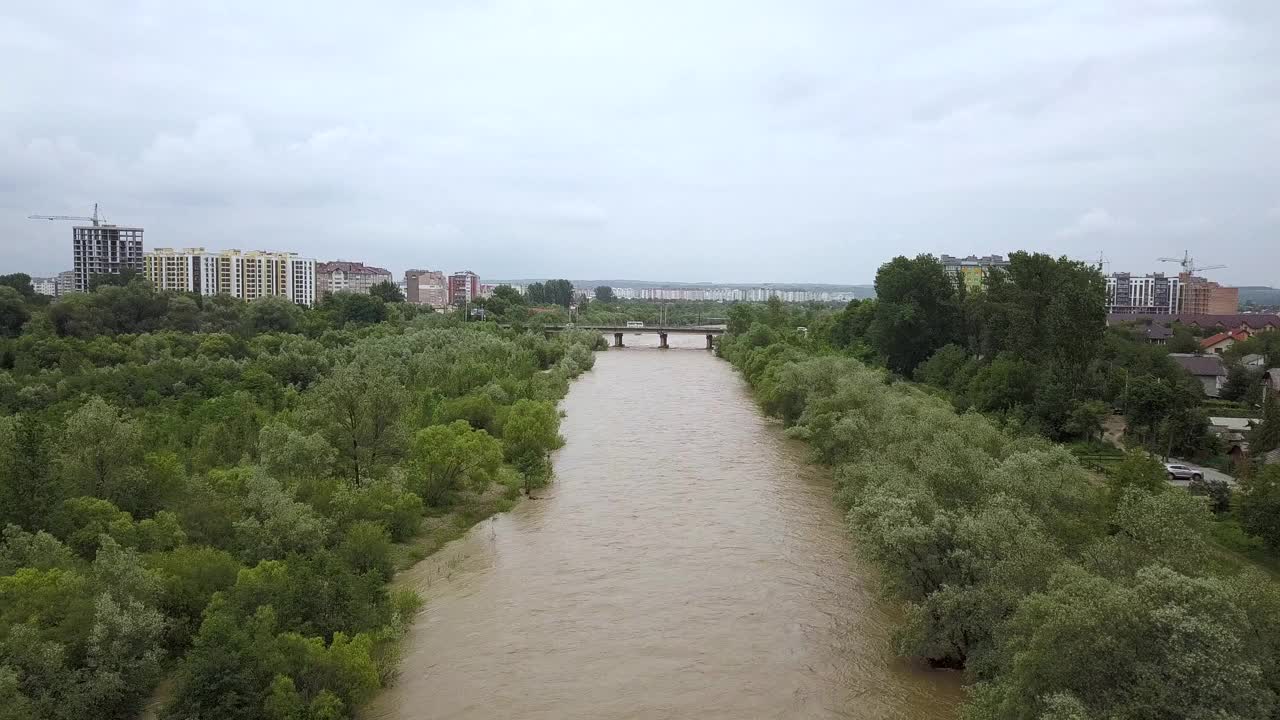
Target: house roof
<point x="1232" y="423"/>
<point x="351" y="268"/>
<point x="1235" y="335"/>
<point x="1256" y="321"/>
<point x="1274" y="376"/>
<point x="1200" y="365"/>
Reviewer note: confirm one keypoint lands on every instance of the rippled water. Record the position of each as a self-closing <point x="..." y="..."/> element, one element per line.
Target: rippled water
<point x="685" y="564"/>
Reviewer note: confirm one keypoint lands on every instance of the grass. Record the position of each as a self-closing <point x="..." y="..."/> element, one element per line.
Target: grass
<point x="1095" y="455"/>
<point x="1237" y="549"/>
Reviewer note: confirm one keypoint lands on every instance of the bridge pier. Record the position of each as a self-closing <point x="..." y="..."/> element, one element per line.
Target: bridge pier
<point x="617" y="339"/>
<point x="663" y="337"/>
<point x="709" y="341"/>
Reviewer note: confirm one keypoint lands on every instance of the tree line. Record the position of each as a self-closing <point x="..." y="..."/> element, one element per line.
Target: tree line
<point x="1031" y="346"/>
<point x="1061" y="593"/>
<point x="219" y="491"/>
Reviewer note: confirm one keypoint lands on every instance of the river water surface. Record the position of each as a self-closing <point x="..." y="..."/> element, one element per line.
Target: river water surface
<point x="686" y="563"/>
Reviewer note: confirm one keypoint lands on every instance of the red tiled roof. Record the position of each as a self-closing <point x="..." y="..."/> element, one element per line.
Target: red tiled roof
<point x="1238" y="334"/>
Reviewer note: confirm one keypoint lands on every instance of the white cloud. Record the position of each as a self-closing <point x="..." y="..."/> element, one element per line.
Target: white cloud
<point x="802" y="141"/>
<point x="1098" y="223"/>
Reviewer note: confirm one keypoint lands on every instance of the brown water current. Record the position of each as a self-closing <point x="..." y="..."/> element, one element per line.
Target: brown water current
<point x="686" y="563"/>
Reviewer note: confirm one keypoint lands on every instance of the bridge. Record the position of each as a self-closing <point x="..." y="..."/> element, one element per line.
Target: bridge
<point x="662" y="331"/>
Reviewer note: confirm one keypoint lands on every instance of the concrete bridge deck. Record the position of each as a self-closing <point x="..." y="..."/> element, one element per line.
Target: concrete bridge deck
<point x="710" y="331"/>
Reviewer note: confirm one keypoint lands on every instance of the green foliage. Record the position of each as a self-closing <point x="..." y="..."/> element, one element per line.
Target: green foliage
<point x="1258" y="505"/>
<point x="604" y="293"/>
<point x="387" y="291"/>
<point x="530" y="431"/>
<point x="444" y="459"/>
<point x="13" y="312"/>
<point x="271" y="313"/>
<point x="358" y="409"/>
<point x="1266" y="436"/>
<point x="1137" y="471"/>
<point x="214" y="486"/>
<point x="551" y="292"/>
<point x="1062" y="596"/>
<point x="1183" y="340"/>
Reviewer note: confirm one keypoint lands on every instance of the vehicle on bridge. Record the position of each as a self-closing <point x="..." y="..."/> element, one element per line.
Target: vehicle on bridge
<point x="635" y="323"/>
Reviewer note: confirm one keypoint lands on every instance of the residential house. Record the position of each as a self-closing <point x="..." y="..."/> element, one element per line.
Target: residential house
<point x="1216" y="344"/>
<point x="1208" y="369"/>
<point x="1272" y="378"/>
<point x="1254" y="360"/>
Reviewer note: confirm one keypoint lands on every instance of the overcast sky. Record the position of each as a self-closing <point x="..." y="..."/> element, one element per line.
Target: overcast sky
<point x="736" y="140"/>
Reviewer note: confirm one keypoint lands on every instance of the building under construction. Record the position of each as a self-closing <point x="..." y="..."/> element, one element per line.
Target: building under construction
<point x="104" y="250"/>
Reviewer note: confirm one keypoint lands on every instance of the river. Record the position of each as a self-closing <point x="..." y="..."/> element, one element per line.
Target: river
<point x="686" y="563"/>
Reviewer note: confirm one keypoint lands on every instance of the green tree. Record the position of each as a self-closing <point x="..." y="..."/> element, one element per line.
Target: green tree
<point x="13" y="312"/>
<point x="272" y="313"/>
<point x="101" y="451"/>
<point x="1086" y="419"/>
<point x="1258" y="505"/>
<point x="1137" y="471"/>
<point x="1182" y="340"/>
<point x="388" y="291"/>
<point x="20" y="282"/>
<point x="530" y="431"/>
<point x="604" y="293"/>
<point x="446" y="458"/>
<point x="182" y="315"/>
<point x="1266" y="436"/>
<point x="1240" y="382"/>
<point x="358" y="409"/>
<point x="917" y="311"/>
<point x="29" y="490"/>
<point x="1163" y="645"/>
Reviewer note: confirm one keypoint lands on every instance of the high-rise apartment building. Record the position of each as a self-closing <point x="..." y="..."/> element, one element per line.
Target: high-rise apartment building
<point x="1158" y="294"/>
<point x="972" y="270"/>
<point x="464" y="288"/>
<point x="104" y="250"/>
<point x="1205" y="297"/>
<point x="244" y="275"/>
<point x="342" y="276"/>
<point x="65" y="283"/>
<point x="426" y="287"/>
<point x="1153" y="294"/>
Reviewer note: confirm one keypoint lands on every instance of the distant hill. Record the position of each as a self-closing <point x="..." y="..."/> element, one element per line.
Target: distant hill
<point x="1260" y="295"/>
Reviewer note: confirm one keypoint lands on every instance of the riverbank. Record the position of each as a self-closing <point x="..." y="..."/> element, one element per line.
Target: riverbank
<point x="1013" y="562"/>
<point x="685" y="563"/>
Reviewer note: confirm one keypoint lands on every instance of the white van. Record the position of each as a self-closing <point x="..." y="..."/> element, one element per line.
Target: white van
<point x="635" y="323"/>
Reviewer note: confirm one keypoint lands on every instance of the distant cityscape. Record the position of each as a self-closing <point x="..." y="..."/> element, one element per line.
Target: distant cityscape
<point x="100" y="248"/>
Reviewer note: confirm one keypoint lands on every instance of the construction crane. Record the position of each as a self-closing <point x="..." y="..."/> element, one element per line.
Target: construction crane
<point x="95" y="219"/>
<point x="1188" y="265"/>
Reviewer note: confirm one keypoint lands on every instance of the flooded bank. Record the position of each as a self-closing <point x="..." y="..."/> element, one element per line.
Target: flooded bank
<point x="686" y="563"/>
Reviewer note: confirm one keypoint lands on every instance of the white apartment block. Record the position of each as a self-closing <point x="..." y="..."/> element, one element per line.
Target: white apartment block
<point x="1155" y="294"/>
<point x="245" y="275"/>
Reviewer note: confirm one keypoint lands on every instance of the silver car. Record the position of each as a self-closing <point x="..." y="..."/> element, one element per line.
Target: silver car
<point x="1182" y="472"/>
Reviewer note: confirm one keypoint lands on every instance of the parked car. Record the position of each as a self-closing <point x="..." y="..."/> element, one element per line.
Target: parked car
<point x="1182" y="472"/>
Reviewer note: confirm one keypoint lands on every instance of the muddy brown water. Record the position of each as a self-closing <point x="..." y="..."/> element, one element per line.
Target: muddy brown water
<point x="686" y="563"/>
